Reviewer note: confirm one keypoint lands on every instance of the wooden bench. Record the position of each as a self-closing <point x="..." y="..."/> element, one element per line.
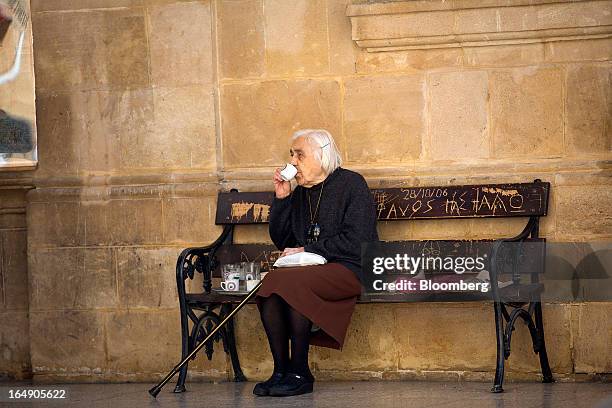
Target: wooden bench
<point x="201" y="312"/>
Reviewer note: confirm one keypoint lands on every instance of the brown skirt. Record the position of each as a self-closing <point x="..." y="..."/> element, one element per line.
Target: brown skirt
<point x="325" y="294"/>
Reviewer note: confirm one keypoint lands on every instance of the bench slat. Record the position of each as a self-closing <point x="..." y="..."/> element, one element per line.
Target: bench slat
<point x="266" y="254"/>
<point x="467" y="201"/>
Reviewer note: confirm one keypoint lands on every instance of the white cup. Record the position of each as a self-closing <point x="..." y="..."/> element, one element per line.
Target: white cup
<point x="230" y="285"/>
<point x="288" y="172"/>
<point x="250" y="284"/>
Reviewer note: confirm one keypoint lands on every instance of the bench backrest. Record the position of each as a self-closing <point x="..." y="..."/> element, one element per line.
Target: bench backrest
<point x="467" y="201"/>
<point x="393" y="204"/>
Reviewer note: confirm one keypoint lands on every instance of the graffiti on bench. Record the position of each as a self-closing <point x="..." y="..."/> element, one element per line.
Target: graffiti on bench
<point x="469" y="201"/>
<point x="461" y="201"/>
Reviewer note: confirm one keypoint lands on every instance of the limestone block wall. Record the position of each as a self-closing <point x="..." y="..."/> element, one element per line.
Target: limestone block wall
<point x="17" y="100"/>
<point x="146" y="108"/>
<point x="126" y="99"/>
<point x="14" y="326"/>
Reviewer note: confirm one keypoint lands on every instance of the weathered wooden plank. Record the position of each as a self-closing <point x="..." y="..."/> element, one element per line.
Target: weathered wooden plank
<point x="447" y="261"/>
<point x="265" y="254"/>
<point x="467" y="201"/>
<point x="243" y="208"/>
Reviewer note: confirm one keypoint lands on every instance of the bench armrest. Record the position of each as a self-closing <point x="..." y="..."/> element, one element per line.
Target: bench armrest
<point x="530" y="230"/>
<point x="199" y="259"/>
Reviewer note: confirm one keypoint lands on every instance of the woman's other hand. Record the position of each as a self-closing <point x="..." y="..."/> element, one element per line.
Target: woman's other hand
<point x="282" y="188"/>
<point x="291" y="251"/>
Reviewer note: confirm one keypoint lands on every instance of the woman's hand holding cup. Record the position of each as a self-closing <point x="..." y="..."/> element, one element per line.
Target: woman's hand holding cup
<point x="282" y="187"/>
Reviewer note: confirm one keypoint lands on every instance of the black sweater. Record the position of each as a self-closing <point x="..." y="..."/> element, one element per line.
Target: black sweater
<point x="347" y="217"/>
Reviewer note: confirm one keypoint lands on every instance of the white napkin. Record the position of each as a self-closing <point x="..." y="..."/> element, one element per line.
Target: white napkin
<point x="300" y="259"/>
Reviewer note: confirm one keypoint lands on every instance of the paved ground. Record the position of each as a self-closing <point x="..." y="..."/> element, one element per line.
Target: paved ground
<point x="330" y="394"/>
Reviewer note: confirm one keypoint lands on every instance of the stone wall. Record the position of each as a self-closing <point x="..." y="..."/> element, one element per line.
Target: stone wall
<point x="17" y="100"/>
<point x="146" y="108"/>
<point x="14" y="326"/>
<point x="126" y="98"/>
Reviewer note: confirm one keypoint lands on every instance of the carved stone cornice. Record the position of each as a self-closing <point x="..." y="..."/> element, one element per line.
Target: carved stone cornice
<point x="416" y="25"/>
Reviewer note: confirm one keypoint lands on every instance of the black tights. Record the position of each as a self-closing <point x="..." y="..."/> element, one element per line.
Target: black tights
<point x="282" y="323"/>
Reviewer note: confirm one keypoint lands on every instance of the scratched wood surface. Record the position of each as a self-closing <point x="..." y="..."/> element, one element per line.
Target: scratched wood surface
<point x="243" y="208"/>
<point x="523" y="259"/>
<point x="264" y="254"/>
<point x="467" y="201"/>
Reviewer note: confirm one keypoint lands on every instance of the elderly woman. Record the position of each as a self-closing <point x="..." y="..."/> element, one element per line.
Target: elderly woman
<point x="330" y="213"/>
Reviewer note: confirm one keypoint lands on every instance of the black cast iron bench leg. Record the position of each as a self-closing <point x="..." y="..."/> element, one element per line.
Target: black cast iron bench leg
<point x="547" y="376"/>
<point x="180" y="384"/>
<point x="231" y="346"/>
<point x="501" y="357"/>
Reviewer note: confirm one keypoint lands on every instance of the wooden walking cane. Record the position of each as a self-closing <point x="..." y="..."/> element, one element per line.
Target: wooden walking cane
<point x="155" y="390"/>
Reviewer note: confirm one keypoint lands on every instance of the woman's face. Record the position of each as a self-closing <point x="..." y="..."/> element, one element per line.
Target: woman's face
<point x="309" y="169"/>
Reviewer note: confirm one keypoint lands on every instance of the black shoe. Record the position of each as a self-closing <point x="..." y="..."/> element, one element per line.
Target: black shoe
<point x="292" y="384"/>
<point x="263" y="388"/>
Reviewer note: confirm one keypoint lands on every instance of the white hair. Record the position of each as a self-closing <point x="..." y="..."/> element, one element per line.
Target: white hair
<point x="324" y="147"/>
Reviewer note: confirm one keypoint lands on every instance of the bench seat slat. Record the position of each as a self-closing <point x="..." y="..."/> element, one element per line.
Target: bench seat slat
<point x="266" y="254"/>
<point x="512" y="293"/>
<point x="195" y="299"/>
